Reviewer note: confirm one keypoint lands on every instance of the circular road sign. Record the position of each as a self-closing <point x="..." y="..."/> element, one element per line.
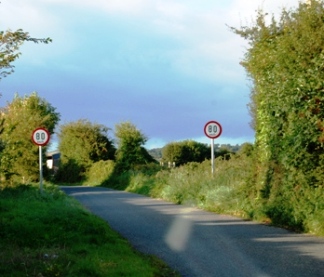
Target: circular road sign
<point x="40" y="136"/>
<point x="213" y="129"/>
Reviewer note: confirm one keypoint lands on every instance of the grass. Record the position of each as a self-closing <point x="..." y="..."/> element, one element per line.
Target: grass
<point x="231" y="190"/>
<point x="50" y="234"/>
<point x="193" y="184"/>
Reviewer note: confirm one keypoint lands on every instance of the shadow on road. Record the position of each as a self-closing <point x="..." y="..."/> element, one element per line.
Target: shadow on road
<point x="199" y="243"/>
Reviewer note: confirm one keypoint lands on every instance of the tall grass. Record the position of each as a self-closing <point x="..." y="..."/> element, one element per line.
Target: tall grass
<point x="231" y="190"/>
<point x="221" y="192"/>
<point x="50" y="234"/>
<point x="194" y="184"/>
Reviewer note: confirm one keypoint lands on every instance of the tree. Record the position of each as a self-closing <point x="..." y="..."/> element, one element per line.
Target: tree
<point x="9" y="48"/>
<point x="130" y="150"/>
<point x="285" y="62"/>
<point x="81" y="144"/>
<point x="185" y="152"/>
<point x="246" y="149"/>
<point x="19" y="158"/>
<point x="10" y="43"/>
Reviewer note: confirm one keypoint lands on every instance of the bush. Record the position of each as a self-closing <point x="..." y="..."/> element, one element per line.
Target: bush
<point x="70" y="172"/>
<point x="99" y="172"/>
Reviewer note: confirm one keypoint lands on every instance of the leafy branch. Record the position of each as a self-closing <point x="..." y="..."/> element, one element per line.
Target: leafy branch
<point x="10" y="43"/>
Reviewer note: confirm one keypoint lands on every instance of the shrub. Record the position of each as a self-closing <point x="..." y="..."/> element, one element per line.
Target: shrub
<point x="100" y="172"/>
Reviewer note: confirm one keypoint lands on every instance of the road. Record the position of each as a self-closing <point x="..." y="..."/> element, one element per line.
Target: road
<point x="199" y="243"/>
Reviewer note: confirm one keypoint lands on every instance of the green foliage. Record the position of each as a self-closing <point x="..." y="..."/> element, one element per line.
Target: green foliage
<point x="50" y="234"/>
<point x="231" y="191"/>
<point x="285" y="63"/>
<point x="70" y="172"/>
<point x="130" y="151"/>
<point x="185" y="152"/>
<point x="19" y="158"/>
<point x="246" y="149"/>
<point x="193" y="183"/>
<point x="99" y="172"/>
<point x="227" y="191"/>
<point x="225" y="150"/>
<point x="9" y="48"/>
<point x="139" y="179"/>
<point x="82" y="144"/>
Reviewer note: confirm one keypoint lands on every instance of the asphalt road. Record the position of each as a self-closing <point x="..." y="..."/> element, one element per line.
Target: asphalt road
<point x="198" y="243"/>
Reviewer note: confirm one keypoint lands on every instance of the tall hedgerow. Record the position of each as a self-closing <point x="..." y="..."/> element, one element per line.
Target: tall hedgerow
<point x="285" y="61"/>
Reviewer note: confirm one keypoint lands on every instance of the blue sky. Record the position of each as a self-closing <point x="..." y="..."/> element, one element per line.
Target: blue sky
<point x="168" y="66"/>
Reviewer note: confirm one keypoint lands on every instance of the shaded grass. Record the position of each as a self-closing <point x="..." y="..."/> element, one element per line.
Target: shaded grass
<point x="50" y="234"/>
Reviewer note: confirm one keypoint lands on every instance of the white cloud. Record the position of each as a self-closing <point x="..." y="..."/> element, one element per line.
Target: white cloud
<point x="15" y="14"/>
<point x="125" y="7"/>
<point x="208" y="48"/>
<point x="211" y="50"/>
<point x="243" y="12"/>
<point x="155" y="143"/>
<point x="36" y="18"/>
<point x="171" y="9"/>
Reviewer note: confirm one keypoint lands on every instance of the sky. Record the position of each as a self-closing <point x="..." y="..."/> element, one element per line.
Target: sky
<point x="167" y="66"/>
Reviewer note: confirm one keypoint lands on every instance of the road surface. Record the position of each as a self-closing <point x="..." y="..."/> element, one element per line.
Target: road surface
<point x="199" y="243"/>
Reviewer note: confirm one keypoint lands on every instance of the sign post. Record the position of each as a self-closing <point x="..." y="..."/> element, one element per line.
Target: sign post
<point x="212" y="130"/>
<point x="40" y="137"/>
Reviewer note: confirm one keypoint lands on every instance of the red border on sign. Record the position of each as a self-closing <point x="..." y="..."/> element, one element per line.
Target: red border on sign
<point x="219" y="126"/>
<point x="45" y="142"/>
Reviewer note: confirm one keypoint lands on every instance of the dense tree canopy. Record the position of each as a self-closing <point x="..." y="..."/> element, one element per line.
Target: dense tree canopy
<point x="19" y="158"/>
<point x="82" y="143"/>
<point x="130" y="150"/>
<point x="285" y="63"/>
<point x="185" y="152"/>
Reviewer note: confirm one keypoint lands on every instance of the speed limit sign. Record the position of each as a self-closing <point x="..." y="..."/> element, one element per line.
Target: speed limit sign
<point x="213" y="129"/>
<point x="40" y="136"/>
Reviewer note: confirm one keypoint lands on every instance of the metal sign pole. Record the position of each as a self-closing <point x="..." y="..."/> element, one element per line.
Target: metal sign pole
<point x="212" y="130"/>
<point x="212" y="156"/>
<point x="40" y="137"/>
<point x="40" y="169"/>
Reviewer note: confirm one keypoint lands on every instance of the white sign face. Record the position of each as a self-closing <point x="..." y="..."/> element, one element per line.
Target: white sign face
<point x="213" y="129"/>
<point x="40" y="136"/>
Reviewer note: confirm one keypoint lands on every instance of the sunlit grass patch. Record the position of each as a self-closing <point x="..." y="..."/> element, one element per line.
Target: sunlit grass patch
<point x="50" y="234"/>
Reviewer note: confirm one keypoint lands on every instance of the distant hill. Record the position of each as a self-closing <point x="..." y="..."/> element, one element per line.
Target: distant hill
<point x="156" y="153"/>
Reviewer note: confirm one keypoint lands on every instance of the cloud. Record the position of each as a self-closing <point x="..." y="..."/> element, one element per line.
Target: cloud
<point x="243" y="12"/>
<point x="201" y="35"/>
<point x="205" y="47"/>
<point x="36" y="18"/>
<point x="112" y="7"/>
<point x="15" y="14"/>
